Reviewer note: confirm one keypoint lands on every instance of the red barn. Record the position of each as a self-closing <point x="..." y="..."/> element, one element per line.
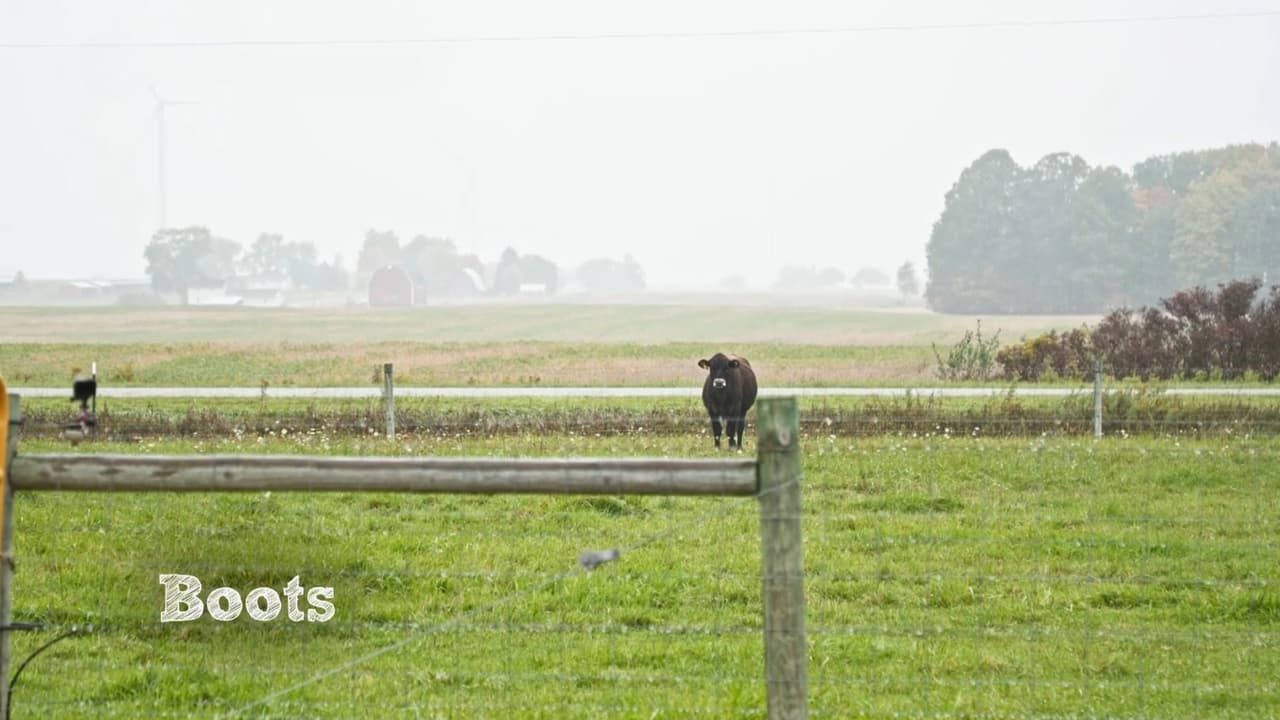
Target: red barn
<point x="390" y="286"/>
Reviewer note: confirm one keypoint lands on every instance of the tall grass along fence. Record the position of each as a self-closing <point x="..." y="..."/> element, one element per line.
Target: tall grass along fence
<point x="1108" y="411"/>
<point x="773" y="478"/>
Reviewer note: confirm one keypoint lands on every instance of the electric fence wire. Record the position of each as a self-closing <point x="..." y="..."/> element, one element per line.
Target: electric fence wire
<point x="718" y="509"/>
<point x="631" y="36"/>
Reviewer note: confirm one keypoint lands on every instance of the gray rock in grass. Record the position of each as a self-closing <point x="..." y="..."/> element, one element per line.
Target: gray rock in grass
<point x="591" y="559"/>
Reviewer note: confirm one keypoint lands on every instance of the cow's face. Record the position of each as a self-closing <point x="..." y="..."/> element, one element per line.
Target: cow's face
<point x="720" y="368"/>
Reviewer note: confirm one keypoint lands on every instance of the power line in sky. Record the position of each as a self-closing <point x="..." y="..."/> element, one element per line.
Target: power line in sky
<point x="657" y="35"/>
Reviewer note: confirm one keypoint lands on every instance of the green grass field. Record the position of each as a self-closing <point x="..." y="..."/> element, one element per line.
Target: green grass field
<point x="946" y="577"/>
<point x="486" y="364"/>
<point x="973" y="558"/>
<point x="710" y="319"/>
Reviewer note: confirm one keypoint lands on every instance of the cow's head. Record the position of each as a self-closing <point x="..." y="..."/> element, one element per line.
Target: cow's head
<point x="720" y="367"/>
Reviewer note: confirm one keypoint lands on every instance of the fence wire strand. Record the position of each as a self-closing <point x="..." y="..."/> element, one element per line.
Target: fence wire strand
<point x="720" y="508"/>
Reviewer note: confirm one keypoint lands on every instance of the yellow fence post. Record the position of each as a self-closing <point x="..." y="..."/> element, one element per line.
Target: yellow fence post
<point x="4" y="444"/>
<point x="10" y="415"/>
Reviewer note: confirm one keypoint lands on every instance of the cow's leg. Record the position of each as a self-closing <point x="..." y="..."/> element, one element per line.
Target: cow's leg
<point x="715" y="429"/>
<point x="735" y="429"/>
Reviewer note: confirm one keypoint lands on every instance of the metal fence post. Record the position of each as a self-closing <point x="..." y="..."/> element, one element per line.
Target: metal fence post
<point x="785" y="645"/>
<point x="389" y="391"/>
<point x="1097" y="399"/>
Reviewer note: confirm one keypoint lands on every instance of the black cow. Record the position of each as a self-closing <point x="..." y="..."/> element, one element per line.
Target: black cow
<point x="728" y="393"/>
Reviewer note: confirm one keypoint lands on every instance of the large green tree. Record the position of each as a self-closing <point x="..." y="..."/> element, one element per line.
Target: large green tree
<point x="972" y="234"/>
<point x="270" y="255"/>
<point x="908" y="280"/>
<point x="1063" y="237"/>
<point x="179" y="259"/>
<point x="1257" y="247"/>
<point x="1099" y="250"/>
<point x="1148" y="270"/>
<point x="606" y="275"/>
<point x="508" y="277"/>
<point x="1204" y="231"/>
<point x="1038" y="253"/>
<point x="379" y="250"/>
<point x="539" y="270"/>
<point x="435" y="263"/>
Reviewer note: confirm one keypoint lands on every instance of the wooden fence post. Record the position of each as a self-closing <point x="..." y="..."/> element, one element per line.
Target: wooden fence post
<point x="10" y="417"/>
<point x="1097" y="399"/>
<point x="389" y="393"/>
<point x="785" y="645"/>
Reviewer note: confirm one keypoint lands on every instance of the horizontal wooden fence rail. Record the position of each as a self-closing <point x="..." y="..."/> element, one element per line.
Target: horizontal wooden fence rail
<point x="241" y="473"/>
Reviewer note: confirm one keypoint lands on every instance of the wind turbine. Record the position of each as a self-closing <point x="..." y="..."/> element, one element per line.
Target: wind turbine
<point x="161" y="104"/>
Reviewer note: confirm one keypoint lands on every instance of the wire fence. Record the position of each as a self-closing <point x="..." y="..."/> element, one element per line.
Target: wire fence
<point x="948" y="574"/>
<point x="1122" y="414"/>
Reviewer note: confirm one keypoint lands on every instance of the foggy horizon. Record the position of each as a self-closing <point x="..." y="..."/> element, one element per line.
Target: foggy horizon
<point x="706" y="141"/>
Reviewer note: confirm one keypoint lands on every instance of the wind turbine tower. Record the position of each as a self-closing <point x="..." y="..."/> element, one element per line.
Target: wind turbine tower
<point x="161" y="104"/>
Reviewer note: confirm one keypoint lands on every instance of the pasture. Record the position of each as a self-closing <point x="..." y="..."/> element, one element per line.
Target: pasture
<point x="698" y="319"/>
<point x="526" y="364"/>
<point x="964" y="558"/>
<point x="952" y="577"/>
<point x="531" y="344"/>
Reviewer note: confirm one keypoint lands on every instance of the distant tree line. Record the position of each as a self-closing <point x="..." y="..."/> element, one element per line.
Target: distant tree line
<point x="1064" y="237"/>
<point x="605" y="275"/>
<point x="182" y="259"/>
<point x="808" y="278"/>
<point x="433" y="263"/>
<point x="436" y="264"/>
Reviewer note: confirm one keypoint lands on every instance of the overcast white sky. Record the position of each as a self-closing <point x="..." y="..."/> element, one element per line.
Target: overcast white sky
<point x="702" y="150"/>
